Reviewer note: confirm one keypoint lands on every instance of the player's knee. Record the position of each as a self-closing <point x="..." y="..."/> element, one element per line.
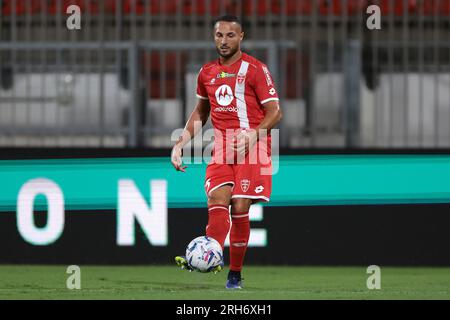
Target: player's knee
<point x="240" y="205"/>
<point x="215" y="200"/>
<point x="221" y="196"/>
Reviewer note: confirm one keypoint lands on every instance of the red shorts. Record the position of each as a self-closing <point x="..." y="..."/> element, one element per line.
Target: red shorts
<point x="251" y="181"/>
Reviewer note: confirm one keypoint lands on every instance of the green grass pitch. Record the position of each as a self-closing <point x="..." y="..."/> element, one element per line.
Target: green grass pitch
<point x="261" y="282"/>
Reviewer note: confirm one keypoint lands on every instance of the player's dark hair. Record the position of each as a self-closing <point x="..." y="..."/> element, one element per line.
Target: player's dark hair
<point x="228" y="18"/>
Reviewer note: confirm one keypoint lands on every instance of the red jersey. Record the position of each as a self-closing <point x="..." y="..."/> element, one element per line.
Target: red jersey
<point x="236" y="94"/>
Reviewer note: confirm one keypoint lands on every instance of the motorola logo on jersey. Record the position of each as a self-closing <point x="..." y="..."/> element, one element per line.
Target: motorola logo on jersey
<point x="226" y="109"/>
<point x="224" y="95"/>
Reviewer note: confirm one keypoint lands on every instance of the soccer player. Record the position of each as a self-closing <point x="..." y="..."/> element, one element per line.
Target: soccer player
<point x="239" y="93"/>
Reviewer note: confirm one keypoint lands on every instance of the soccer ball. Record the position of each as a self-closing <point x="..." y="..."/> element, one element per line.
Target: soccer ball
<point x="204" y="254"/>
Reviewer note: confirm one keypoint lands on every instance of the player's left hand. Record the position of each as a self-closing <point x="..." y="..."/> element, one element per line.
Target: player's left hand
<point x="244" y="141"/>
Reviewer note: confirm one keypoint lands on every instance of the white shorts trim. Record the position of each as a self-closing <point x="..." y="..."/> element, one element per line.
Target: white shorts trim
<point x="250" y="197"/>
<point x="202" y="98"/>
<point x="270" y="99"/>
<point x="220" y="185"/>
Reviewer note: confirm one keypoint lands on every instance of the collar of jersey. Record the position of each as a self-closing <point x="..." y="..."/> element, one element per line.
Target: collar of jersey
<point x="231" y="65"/>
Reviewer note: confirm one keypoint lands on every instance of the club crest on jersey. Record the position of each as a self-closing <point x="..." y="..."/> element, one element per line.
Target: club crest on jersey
<point x="245" y="184"/>
<point x="241" y="78"/>
<point x="224" y="74"/>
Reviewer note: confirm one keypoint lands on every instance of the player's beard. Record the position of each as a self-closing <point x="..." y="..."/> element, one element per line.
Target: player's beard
<point x="231" y="53"/>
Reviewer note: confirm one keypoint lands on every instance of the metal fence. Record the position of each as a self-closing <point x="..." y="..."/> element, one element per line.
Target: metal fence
<point x="127" y="78"/>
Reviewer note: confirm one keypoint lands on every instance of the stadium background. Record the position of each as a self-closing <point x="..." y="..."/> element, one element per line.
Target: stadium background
<point x="115" y="90"/>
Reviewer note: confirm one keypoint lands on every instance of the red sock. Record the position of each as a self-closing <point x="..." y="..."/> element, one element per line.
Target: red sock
<point x="218" y="223"/>
<point x="239" y="235"/>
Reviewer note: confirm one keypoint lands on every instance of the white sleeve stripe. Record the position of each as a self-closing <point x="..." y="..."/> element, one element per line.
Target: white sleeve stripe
<point x="270" y="99"/>
<point x="203" y="98"/>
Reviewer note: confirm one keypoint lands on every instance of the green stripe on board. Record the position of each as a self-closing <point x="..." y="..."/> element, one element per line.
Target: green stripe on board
<point x="92" y="184"/>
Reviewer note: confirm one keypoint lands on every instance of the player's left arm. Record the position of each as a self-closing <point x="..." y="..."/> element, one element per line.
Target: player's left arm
<point x="247" y="139"/>
<point x="272" y="116"/>
<point x="266" y="93"/>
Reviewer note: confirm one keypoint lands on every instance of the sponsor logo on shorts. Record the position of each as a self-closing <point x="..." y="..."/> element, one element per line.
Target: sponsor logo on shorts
<point x="207" y="184"/>
<point x="259" y="189"/>
<point x="245" y="184"/>
<point x="272" y="91"/>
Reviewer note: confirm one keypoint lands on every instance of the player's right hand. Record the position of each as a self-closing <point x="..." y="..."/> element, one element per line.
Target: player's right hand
<point x="176" y="159"/>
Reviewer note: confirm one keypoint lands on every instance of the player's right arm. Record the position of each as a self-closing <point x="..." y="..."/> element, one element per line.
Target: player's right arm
<point x="196" y="121"/>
